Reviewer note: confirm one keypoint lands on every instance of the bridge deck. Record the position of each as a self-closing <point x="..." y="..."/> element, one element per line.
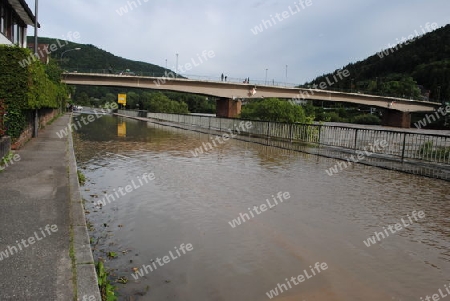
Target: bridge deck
<point x="244" y="91"/>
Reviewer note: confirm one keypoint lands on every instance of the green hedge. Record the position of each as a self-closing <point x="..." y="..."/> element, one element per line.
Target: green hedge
<point x="367" y="119"/>
<point x="25" y="85"/>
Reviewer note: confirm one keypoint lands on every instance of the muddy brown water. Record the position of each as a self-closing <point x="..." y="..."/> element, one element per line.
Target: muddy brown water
<point x="192" y="201"/>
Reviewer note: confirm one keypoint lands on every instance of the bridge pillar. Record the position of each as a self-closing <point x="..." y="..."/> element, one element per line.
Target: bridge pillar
<point x="396" y="118"/>
<point x="226" y="107"/>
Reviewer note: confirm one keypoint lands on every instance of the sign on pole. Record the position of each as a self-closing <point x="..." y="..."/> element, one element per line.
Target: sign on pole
<point x="122" y="99"/>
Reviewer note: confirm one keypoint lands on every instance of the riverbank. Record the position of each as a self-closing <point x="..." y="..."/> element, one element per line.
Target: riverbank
<point x="44" y="244"/>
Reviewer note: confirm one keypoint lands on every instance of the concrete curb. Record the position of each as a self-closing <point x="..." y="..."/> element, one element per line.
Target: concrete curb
<point x="86" y="276"/>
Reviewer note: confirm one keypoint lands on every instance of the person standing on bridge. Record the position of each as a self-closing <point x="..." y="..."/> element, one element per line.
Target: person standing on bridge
<point x="225" y="78"/>
<point x="222" y="77"/>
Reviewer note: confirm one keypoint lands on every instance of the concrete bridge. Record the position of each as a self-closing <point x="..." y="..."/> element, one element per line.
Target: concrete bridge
<point x="397" y="111"/>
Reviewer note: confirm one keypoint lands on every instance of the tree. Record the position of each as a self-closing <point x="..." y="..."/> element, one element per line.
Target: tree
<point x="108" y="98"/>
<point x="424" y="60"/>
<point x="132" y="100"/>
<point x="82" y="99"/>
<point x="160" y="103"/>
<point x="274" y="109"/>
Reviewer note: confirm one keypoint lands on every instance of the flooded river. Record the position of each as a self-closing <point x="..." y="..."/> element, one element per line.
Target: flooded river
<point x="185" y="227"/>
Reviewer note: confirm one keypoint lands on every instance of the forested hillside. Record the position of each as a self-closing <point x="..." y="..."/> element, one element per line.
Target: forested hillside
<point x="92" y="59"/>
<point x="420" y="69"/>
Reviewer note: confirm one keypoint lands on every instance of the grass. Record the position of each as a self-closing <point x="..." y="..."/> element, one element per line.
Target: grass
<point x="6" y="159"/>
<point x="81" y="178"/>
<point x="427" y="150"/>
<point x="107" y="290"/>
<point x="73" y="261"/>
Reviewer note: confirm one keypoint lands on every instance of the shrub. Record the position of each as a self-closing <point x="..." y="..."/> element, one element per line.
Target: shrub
<point x="276" y="110"/>
<point x="25" y="85"/>
<point x="367" y="119"/>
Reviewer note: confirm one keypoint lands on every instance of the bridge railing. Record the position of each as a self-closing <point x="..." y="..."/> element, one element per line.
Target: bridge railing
<point x="397" y="145"/>
<point x="170" y="74"/>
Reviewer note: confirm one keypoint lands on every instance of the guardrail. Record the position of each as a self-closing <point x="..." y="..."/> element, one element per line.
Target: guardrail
<point x="133" y="113"/>
<point x="401" y="145"/>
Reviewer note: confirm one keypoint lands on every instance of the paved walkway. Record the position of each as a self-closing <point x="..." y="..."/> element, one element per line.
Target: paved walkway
<point x="42" y="224"/>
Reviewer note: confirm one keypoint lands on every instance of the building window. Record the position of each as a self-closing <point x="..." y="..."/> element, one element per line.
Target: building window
<point x="23" y="36"/>
<point x="20" y="35"/>
<point x="8" y="23"/>
<point x="15" y="33"/>
<point x="11" y="25"/>
<point x="2" y="16"/>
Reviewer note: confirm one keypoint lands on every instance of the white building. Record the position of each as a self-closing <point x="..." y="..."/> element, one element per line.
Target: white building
<point x="15" y="16"/>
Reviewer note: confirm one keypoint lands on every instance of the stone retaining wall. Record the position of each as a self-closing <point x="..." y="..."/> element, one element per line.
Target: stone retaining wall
<point x="45" y="116"/>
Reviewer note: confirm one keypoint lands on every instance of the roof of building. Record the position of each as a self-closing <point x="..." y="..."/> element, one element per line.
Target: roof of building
<point x="24" y="12"/>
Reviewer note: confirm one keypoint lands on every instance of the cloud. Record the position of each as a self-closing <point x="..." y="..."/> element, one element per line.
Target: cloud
<point x="319" y="39"/>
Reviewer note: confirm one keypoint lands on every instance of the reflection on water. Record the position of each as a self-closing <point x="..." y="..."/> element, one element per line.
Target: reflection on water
<point x="122" y="129"/>
<point x="192" y="200"/>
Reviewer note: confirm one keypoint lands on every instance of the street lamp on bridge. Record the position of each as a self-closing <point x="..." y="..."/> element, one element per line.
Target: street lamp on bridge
<point x="62" y="54"/>
<point x="265" y="81"/>
<point x="176" y="68"/>
<point x="286" y="76"/>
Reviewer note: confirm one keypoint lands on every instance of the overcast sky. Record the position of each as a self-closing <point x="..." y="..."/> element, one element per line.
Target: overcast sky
<point x="311" y="37"/>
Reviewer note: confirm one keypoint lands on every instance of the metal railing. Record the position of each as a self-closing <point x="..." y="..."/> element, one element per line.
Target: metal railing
<point x="171" y="74"/>
<point x="399" y="145"/>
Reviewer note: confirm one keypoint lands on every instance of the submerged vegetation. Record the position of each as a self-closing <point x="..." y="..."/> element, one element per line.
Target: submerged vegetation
<point x="81" y="177"/>
<point x="107" y="290"/>
<point x="427" y="150"/>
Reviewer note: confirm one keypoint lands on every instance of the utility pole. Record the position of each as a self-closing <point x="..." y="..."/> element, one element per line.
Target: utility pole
<point x="36" y="23"/>
<point x="286" y="76"/>
<point x="176" y="68"/>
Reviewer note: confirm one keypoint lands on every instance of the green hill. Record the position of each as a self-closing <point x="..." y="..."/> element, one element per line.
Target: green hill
<point x="91" y="59"/>
<point x="419" y="70"/>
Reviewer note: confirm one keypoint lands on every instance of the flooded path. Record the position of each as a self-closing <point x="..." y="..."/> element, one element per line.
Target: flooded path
<point x="177" y="229"/>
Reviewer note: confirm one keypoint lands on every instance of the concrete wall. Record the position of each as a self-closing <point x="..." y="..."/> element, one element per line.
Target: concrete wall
<point x="228" y="107"/>
<point x="46" y="115"/>
<point x="129" y="113"/>
<point x="5" y="146"/>
<point x="396" y="119"/>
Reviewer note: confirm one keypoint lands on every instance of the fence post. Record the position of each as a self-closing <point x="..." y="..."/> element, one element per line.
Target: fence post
<point x="290" y="132"/>
<point x="320" y="131"/>
<point x="209" y="123"/>
<point x="356" y="138"/>
<point x="404" y="146"/>
<point x="220" y="124"/>
<point x="268" y="129"/>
